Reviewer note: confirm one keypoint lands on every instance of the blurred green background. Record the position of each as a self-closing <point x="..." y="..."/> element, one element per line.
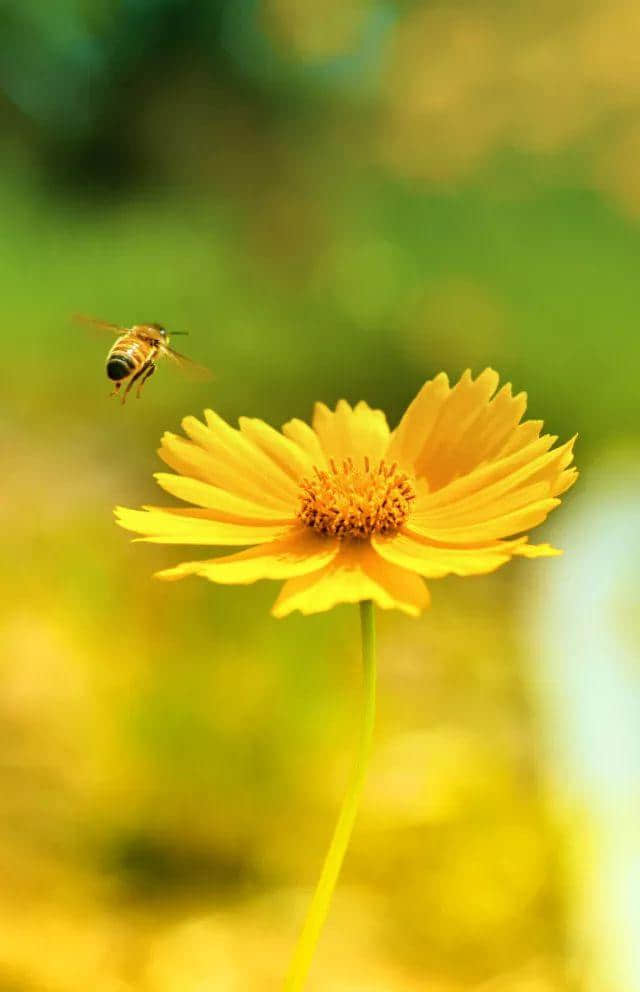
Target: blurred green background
<point x="336" y="199"/>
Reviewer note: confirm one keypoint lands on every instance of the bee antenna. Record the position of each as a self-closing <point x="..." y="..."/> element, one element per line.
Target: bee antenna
<point x="173" y="333"/>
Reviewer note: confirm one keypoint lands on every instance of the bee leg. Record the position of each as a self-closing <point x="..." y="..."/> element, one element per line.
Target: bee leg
<point x="115" y="390"/>
<point x="150" y="369"/>
<point x="134" y="378"/>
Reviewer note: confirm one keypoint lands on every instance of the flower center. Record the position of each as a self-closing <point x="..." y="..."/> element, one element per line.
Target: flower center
<point x="356" y="502"/>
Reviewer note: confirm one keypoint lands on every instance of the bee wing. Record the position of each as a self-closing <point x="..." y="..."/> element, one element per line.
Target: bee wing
<point x="104" y="325"/>
<point x="186" y="365"/>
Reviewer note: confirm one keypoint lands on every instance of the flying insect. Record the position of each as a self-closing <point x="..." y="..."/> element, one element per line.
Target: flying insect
<point x="135" y="354"/>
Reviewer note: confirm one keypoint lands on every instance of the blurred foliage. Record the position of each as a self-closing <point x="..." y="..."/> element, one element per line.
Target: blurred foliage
<point x="335" y="200"/>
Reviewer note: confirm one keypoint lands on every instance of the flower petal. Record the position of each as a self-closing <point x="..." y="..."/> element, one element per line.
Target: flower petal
<point x="495" y="478"/>
<point x="285" y="453"/>
<point x="416" y="426"/>
<point x="486" y="530"/>
<point x="433" y="561"/>
<point x="357" y="433"/>
<point x="177" y="526"/>
<point x="194" y="460"/>
<point x="523" y="435"/>
<point x="233" y="450"/>
<point x="446" y="452"/>
<point x="565" y="481"/>
<point x="220" y="454"/>
<point x="457" y="516"/>
<point x="222" y="504"/>
<point x="446" y="433"/>
<point x="494" y="427"/>
<point x="469" y="503"/>
<point x="537" y="550"/>
<point x="356" y="574"/>
<point x="306" y="438"/>
<point x="298" y="553"/>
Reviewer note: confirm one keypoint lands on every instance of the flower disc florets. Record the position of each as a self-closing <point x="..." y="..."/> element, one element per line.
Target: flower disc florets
<point x="356" y="502"/>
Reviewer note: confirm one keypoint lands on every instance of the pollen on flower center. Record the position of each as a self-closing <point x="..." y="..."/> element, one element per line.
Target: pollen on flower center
<point x="348" y="501"/>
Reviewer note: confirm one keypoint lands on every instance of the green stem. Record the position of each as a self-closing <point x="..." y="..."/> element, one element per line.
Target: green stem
<point x="319" y="908"/>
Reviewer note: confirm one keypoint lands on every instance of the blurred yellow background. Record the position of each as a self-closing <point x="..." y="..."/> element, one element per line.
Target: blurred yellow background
<point x="335" y="199"/>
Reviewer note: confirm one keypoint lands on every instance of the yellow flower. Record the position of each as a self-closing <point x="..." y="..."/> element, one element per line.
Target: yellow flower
<point x="347" y="510"/>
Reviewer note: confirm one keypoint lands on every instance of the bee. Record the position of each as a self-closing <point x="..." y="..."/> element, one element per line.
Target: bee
<point x="134" y="356"/>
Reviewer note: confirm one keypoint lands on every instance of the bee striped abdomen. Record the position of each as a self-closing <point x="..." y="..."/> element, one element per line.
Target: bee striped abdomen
<point x="124" y="359"/>
<point x="119" y="367"/>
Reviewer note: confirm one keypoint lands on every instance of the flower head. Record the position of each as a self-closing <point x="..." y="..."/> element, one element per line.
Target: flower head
<point x="346" y="510"/>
